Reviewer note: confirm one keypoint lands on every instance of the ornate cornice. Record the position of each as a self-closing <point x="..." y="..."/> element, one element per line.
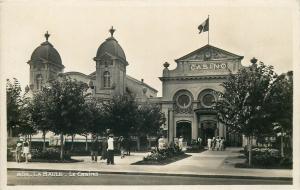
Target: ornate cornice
<point x="194" y="77"/>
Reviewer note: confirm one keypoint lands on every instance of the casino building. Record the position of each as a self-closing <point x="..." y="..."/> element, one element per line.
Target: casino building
<point x="188" y="94"/>
<point x="188" y="91"/>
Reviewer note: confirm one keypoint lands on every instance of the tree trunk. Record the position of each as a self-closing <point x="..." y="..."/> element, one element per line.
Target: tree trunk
<point x="61" y="146"/>
<point x="281" y="144"/>
<point x="72" y="145"/>
<point x="138" y="143"/>
<point x="44" y="141"/>
<point x="291" y="143"/>
<point x="29" y="142"/>
<point x="10" y="132"/>
<point x="149" y="143"/>
<point x="250" y="151"/>
<point x="86" y="143"/>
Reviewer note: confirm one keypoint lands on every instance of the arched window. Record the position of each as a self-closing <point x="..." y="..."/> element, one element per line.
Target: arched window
<point x="106" y="77"/>
<point x="39" y="79"/>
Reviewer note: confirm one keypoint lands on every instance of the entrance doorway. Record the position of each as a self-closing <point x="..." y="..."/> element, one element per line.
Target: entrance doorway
<point x="184" y="129"/>
<point x="208" y="130"/>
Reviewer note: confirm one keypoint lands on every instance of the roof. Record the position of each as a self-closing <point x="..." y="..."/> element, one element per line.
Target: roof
<point x="140" y="83"/>
<point x="46" y="53"/>
<point x="111" y="46"/>
<point x="75" y="73"/>
<point x="209" y="47"/>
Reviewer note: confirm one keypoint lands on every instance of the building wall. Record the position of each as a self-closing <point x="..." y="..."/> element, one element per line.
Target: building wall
<point x="197" y="74"/>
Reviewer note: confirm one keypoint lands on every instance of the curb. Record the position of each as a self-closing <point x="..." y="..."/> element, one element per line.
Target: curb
<point x="159" y="174"/>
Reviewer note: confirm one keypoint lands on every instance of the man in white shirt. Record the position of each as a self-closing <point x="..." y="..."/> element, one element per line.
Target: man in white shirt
<point x="110" y="150"/>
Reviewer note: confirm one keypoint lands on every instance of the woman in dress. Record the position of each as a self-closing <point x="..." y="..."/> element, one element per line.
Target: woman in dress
<point x="218" y="143"/>
<point x="26" y="150"/>
<point x="213" y="143"/>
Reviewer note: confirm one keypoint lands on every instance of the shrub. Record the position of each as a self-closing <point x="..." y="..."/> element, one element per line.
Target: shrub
<point x="264" y="156"/>
<point x="287" y="162"/>
<point x="49" y="154"/>
<point x="10" y="155"/>
<point x="159" y="155"/>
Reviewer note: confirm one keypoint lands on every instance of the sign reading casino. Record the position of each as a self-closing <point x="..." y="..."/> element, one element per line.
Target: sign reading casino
<point x="208" y="66"/>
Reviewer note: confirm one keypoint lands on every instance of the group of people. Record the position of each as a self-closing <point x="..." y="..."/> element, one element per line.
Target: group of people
<point x="216" y="143"/>
<point x="107" y="147"/>
<point x="22" y="149"/>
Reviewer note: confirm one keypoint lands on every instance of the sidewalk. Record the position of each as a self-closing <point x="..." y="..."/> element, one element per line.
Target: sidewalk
<point x="207" y="163"/>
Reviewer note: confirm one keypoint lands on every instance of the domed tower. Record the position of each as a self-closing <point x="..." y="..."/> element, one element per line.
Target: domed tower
<point x="45" y="64"/>
<point x="110" y="68"/>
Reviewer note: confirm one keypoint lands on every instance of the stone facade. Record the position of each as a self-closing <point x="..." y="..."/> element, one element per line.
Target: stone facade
<point x="45" y="64"/>
<point x="109" y="79"/>
<point x="188" y="92"/>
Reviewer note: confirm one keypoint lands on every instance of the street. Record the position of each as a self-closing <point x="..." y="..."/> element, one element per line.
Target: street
<point x="95" y="178"/>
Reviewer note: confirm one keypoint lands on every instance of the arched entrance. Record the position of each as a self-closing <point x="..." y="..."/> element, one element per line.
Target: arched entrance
<point x="184" y="129"/>
<point x="208" y="130"/>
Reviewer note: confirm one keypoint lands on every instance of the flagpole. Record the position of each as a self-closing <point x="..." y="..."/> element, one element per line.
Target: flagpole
<point x="208" y="31"/>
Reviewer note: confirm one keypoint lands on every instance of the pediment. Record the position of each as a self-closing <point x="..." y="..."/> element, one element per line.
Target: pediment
<point x="207" y="53"/>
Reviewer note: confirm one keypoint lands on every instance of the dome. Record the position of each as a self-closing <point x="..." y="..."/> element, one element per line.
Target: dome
<point x="46" y="51"/>
<point x="112" y="47"/>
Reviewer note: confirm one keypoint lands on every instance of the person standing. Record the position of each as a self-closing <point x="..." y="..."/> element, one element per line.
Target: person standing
<point x="161" y="143"/>
<point x="180" y="142"/>
<point x="94" y="150"/>
<point x="218" y="143"/>
<point x="26" y="150"/>
<point x="209" y="143"/>
<point x="128" y="145"/>
<point x="222" y="142"/>
<point x="104" y="149"/>
<point x="199" y="143"/>
<point x="122" y="146"/>
<point x="110" y="150"/>
<point x="18" y="152"/>
<point x="213" y="143"/>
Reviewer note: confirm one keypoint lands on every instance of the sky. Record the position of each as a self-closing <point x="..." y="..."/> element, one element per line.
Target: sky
<point x="150" y="34"/>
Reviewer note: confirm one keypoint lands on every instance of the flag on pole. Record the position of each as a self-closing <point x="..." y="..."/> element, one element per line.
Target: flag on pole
<point x="204" y="27"/>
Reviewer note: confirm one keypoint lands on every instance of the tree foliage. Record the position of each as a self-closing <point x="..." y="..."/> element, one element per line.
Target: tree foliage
<point x="120" y="113"/>
<point x="65" y="105"/>
<point x="244" y="104"/>
<point x="13" y="104"/>
<point x="282" y="102"/>
<point x="150" y="119"/>
<point x="18" y="114"/>
<point x="94" y="117"/>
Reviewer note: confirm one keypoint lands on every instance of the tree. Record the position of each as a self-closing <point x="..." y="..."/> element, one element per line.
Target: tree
<point x="94" y="119"/>
<point x="120" y="114"/>
<point x="243" y="106"/>
<point x="26" y="126"/>
<point x="13" y="104"/>
<point x="38" y="108"/>
<point x="149" y="120"/>
<point x="281" y="108"/>
<point x="65" y="107"/>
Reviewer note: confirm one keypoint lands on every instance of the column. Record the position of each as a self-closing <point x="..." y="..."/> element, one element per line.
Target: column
<point x="220" y="129"/>
<point x="195" y="127"/>
<point x="170" y="125"/>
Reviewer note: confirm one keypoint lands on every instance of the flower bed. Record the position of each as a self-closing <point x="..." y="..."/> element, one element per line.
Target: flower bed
<point x="163" y="157"/>
<point x="267" y="158"/>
